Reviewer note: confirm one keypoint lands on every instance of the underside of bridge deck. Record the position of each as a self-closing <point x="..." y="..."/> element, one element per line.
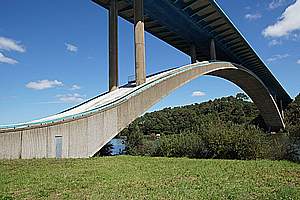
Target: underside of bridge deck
<point x="198" y="28"/>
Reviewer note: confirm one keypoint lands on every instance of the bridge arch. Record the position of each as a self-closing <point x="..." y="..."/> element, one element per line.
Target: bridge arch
<point x="234" y="73"/>
<point x="257" y="91"/>
<point x="85" y="129"/>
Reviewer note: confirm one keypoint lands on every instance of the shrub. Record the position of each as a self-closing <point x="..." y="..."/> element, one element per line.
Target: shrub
<point x="218" y="140"/>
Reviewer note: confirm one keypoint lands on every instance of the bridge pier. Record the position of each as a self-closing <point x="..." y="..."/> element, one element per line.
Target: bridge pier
<point x="113" y="45"/>
<point x="213" y="55"/>
<point x="139" y="42"/>
<point x="193" y="54"/>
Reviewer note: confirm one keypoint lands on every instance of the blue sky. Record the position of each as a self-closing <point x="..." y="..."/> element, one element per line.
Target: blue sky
<point x="53" y="54"/>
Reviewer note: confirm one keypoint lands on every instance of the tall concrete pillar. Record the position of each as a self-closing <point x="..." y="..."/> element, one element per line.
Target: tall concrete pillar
<point x="139" y="42"/>
<point x="193" y="54"/>
<point x="213" y="55"/>
<point x="113" y="45"/>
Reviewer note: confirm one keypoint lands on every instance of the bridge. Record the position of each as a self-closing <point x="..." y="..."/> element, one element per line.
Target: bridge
<point x="198" y="28"/>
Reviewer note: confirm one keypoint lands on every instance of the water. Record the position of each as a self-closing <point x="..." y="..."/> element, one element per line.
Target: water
<point x="118" y="146"/>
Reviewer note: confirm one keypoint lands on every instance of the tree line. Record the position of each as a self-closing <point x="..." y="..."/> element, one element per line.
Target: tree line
<point x="224" y="128"/>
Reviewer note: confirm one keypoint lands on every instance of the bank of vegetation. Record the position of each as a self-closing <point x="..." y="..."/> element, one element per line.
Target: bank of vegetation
<point x="225" y="128"/>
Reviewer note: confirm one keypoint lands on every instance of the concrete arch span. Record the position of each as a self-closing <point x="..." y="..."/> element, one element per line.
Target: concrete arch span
<point x="86" y="128"/>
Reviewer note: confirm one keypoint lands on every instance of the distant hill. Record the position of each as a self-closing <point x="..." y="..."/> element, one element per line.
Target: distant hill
<point x="238" y="110"/>
<point x="229" y="127"/>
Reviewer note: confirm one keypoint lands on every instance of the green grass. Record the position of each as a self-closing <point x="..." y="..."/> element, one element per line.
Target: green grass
<point x="126" y="177"/>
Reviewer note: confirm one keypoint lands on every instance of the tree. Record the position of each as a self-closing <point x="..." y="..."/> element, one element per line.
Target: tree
<point x="134" y="140"/>
<point x="242" y="96"/>
<point x="229" y="127"/>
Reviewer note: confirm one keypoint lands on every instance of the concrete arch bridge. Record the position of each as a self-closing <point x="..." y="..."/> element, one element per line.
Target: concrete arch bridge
<point x="84" y="129"/>
<point x="198" y="28"/>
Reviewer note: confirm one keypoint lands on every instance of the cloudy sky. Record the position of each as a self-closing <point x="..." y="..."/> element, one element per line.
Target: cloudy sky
<point x="53" y="54"/>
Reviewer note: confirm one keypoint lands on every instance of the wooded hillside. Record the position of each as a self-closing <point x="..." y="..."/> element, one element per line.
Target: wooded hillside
<point x="229" y="127"/>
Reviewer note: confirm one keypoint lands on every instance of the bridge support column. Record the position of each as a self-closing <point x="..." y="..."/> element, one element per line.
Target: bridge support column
<point x="113" y="45"/>
<point x="139" y="42"/>
<point x="193" y="54"/>
<point x="213" y="55"/>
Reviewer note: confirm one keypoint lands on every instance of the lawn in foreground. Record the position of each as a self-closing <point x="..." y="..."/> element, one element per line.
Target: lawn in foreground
<point x="126" y="177"/>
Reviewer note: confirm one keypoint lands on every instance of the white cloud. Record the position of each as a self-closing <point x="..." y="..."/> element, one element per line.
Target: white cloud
<point x="298" y="61"/>
<point x="71" y="47"/>
<point x="4" y="59"/>
<point x="43" y="84"/>
<point x="287" y="23"/>
<point x="277" y="57"/>
<point x="75" y="87"/>
<point x="276" y="3"/>
<point x="275" y="42"/>
<point x="70" y="98"/>
<point x="11" y="45"/>
<point x="198" y="94"/>
<point x="253" y="16"/>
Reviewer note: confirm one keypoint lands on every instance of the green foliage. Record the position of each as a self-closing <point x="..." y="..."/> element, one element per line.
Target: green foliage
<point x="292" y="117"/>
<point x="226" y="128"/>
<point x="292" y="121"/>
<point x="242" y="96"/>
<point x="217" y="140"/>
<point x="231" y="141"/>
<point x="178" y="119"/>
<point x="134" y="142"/>
<point x="214" y="129"/>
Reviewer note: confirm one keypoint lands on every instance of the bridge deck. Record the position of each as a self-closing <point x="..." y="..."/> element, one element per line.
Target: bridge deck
<point x="182" y="23"/>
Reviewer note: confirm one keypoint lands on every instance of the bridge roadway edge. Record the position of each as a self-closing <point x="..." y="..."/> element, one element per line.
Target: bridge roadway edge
<point x="85" y="135"/>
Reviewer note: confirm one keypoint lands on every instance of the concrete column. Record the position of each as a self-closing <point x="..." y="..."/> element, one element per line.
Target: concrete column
<point x="193" y="54"/>
<point x="113" y="45"/>
<point x="139" y="42"/>
<point x="213" y="55"/>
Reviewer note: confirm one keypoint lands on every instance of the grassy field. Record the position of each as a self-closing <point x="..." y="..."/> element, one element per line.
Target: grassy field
<point x="126" y="177"/>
